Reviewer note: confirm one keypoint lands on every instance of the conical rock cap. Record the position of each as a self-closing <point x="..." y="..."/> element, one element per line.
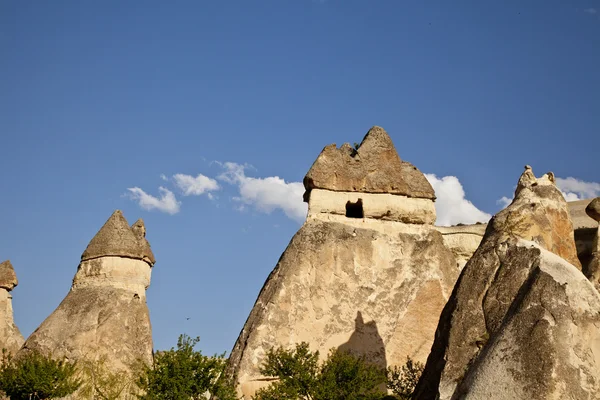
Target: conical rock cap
<point x="116" y="238"/>
<point x="8" y="278"/>
<point x="374" y="167"/>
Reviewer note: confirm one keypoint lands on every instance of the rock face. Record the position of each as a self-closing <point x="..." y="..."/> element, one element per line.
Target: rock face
<point x="462" y="240"/>
<point x="105" y="312"/>
<point x="10" y="336"/>
<point x="592" y="269"/>
<point x="523" y="322"/>
<point x="367" y="272"/>
<point x="593" y="209"/>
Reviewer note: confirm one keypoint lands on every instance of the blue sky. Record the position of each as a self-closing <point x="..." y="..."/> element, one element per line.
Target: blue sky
<point x="97" y="98"/>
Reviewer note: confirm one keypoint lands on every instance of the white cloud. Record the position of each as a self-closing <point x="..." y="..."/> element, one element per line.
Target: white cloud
<point x="166" y="203"/>
<point x="505" y="201"/>
<point x="451" y="205"/>
<point x="266" y="194"/>
<point x="195" y="185"/>
<point x="575" y="189"/>
<point x="164" y="177"/>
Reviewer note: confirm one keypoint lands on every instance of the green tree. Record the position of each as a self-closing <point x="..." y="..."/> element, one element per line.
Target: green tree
<point x="402" y="381"/>
<point x="343" y="376"/>
<point x="99" y="382"/>
<point x="37" y="376"/>
<point x="184" y="374"/>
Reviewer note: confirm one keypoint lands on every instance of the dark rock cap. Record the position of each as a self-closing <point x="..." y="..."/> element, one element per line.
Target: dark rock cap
<point x="593" y="209"/>
<point x="116" y="238"/>
<point x="8" y="278"/>
<point x="375" y="167"/>
<point x="139" y="230"/>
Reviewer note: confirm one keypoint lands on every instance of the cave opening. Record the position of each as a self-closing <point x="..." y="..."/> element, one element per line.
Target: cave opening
<point x="355" y="210"/>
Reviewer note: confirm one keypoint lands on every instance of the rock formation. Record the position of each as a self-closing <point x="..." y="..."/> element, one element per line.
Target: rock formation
<point x="10" y="336"/>
<point x="367" y="272"/>
<point x="463" y="240"/>
<point x="592" y="269"/>
<point x="104" y="315"/>
<point x="523" y="322"/>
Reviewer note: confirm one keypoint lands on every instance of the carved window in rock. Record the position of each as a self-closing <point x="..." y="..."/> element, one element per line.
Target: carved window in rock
<point x="355" y="210"/>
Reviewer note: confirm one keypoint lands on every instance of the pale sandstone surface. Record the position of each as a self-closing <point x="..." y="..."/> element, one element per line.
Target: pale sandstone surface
<point x="374" y="167"/>
<point x="513" y="296"/>
<point x="375" y="288"/>
<point x="382" y="206"/>
<point x="462" y="240"/>
<point x="579" y="216"/>
<point x="11" y="338"/>
<point x="105" y="314"/>
<point x="547" y="346"/>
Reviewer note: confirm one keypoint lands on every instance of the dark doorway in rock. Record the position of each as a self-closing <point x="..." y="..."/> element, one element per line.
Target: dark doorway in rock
<point x="354" y="210"/>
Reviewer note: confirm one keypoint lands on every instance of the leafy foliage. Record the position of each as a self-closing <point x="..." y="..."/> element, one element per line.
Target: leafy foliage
<point x="102" y="384"/>
<point x="403" y="380"/>
<point x="37" y="376"/>
<point x="184" y="374"/>
<point x="342" y="376"/>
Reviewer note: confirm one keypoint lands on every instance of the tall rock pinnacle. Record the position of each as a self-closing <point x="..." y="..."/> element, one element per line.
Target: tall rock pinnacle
<point x="366" y="273"/>
<point x="10" y="336"/>
<point x="104" y="315"/>
<point x="523" y="321"/>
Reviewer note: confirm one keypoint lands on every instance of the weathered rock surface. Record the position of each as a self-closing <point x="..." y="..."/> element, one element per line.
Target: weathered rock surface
<point x="593" y="209"/>
<point x="374" y="167"/>
<point x="10" y="336"/>
<point x="117" y="238"/>
<point x="396" y="277"/>
<point x="522" y="321"/>
<point x="105" y="313"/>
<point x="462" y="240"/>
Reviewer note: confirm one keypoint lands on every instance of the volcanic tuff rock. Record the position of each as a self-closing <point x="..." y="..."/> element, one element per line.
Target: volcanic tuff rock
<point x="592" y="270"/>
<point x="374" y="167"/>
<point x="104" y="315"/>
<point x="593" y="209"/>
<point x="522" y="322"/>
<point x="367" y="272"/>
<point x="10" y="336"/>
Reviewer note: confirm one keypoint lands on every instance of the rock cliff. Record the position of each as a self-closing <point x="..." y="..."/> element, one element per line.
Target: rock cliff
<point x="523" y="322"/>
<point x="104" y="315"/>
<point x="10" y="336"/>
<point x="367" y="272"/>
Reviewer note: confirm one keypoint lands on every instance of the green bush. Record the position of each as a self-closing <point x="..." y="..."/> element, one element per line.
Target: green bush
<point x="403" y="380"/>
<point x="342" y="376"/>
<point x="100" y="383"/>
<point x="37" y="376"/>
<point x="184" y="374"/>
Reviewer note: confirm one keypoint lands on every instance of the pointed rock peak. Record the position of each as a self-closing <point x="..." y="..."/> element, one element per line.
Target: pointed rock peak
<point x="529" y="181"/>
<point x="593" y="209"/>
<point x="115" y="238"/>
<point x="538" y="213"/>
<point x="374" y="166"/>
<point x="375" y="141"/>
<point x="139" y="230"/>
<point x="8" y="278"/>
